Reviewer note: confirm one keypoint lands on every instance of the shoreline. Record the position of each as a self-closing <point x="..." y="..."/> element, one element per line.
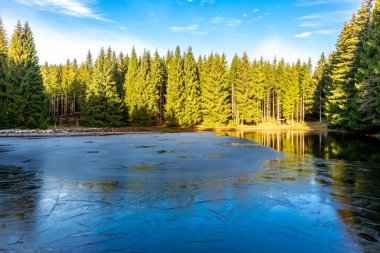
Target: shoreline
<point x="94" y="131"/>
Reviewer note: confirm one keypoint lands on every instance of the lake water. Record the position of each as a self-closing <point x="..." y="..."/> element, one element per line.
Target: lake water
<point x="264" y="191"/>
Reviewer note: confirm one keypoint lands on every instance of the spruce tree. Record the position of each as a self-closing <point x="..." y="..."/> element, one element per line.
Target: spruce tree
<point x="104" y="105"/>
<point x="244" y="93"/>
<point x="174" y="89"/>
<point x="26" y="91"/>
<point x="192" y="98"/>
<point x="84" y="80"/>
<point x="14" y="103"/>
<point x="258" y="87"/>
<point x="233" y="73"/>
<point x="320" y="81"/>
<point x="52" y="75"/>
<point x="3" y="77"/>
<point x="122" y="69"/>
<point x="337" y="98"/>
<point x="130" y="84"/>
<point x="290" y="92"/>
<point x="368" y="76"/>
<point x="158" y="86"/>
<point x="139" y="112"/>
<point x="342" y="101"/>
<point x="359" y="30"/>
<point x="216" y="104"/>
<point x="307" y="90"/>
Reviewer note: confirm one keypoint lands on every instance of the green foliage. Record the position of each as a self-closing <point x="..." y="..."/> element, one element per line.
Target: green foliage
<point x="139" y="111"/>
<point x="233" y="75"/>
<point x="26" y="98"/>
<point x="3" y="77"/>
<point x="368" y="76"/>
<point x="130" y="85"/>
<point x="248" y="92"/>
<point x="182" y="92"/>
<point x="158" y="88"/>
<point x="320" y="81"/>
<point x="290" y="92"/>
<point x="191" y="114"/>
<point x="352" y="94"/>
<point x="174" y="88"/>
<point x="104" y="105"/>
<point x="258" y="88"/>
<point x="216" y="102"/>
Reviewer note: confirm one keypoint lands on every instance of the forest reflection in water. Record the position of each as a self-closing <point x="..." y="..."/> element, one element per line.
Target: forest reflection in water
<point x="190" y="192"/>
<point x="347" y="165"/>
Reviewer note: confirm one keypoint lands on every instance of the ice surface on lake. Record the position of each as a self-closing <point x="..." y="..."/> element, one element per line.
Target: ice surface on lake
<point x="153" y="192"/>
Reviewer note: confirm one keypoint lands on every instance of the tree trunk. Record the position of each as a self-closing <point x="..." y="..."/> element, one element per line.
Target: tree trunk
<point x="303" y="108"/>
<point x="268" y="104"/>
<point x="278" y="109"/>
<point x="292" y="117"/>
<point x="273" y="114"/>
<point x="320" y="108"/>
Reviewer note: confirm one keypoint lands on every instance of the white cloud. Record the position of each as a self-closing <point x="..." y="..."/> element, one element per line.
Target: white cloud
<point x="326" y="17"/>
<point x="57" y="45"/>
<point x="189" y="28"/>
<point x="308" y="25"/>
<point x="68" y="7"/>
<point x="320" y="32"/>
<point x="255" y="10"/>
<point x="216" y="20"/>
<point x="228" y="22"/>
<point x="303" y="35"/>
<point x="308" y="3"/>
<point x="204" y="2"/>
<point x="258" y="18"/>
<point x="326" y="32"/>
<point x="280" y="48"/>
<point x="232" y="22"/>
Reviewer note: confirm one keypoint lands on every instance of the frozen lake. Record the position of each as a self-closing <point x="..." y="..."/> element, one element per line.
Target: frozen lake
<point x="284" y="191"/>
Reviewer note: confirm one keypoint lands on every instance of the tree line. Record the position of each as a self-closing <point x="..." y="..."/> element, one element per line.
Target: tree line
<point x="22" y="97"/>
<point x="348" y="82"/>
<point x="178" y="89"/>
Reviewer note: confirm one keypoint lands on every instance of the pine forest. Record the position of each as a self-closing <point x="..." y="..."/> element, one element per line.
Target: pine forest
<point x="184" y="90"/>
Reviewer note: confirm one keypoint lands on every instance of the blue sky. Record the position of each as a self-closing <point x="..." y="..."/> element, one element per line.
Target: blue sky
<point x="286" y="28"/>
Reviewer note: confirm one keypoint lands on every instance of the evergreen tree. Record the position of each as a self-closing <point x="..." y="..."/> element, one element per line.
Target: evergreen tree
<point x="3" y="77"/>
<point x="130" y="84"/>
<point x="122" y="69"/>
<point x="51" y="76"/>
<point x="307" y="90"/>
<point x="290" y="92"/>
<point x="174" y="88"/>
<point x="26" y="91"/>
<point x="216" y="104"/>
<point x="244" y="93"/>
<point x="258" y="86"/>
<point x="342" y="103"/>
<point x="192" y="98"/>
<point x="275" y="76"/>
<point x="320" y="81"/>
<point x="233" y="73"/>
<point x="70" y="87"/>
<point x="139" y="112"/>
<point x="368" y="76"/>
<point x="158" y="86"/>
<point x="104" y="105"/>
<point x="84" y="80"/>
<point x="337" y="98"/>
<point x="14" y="104"/>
